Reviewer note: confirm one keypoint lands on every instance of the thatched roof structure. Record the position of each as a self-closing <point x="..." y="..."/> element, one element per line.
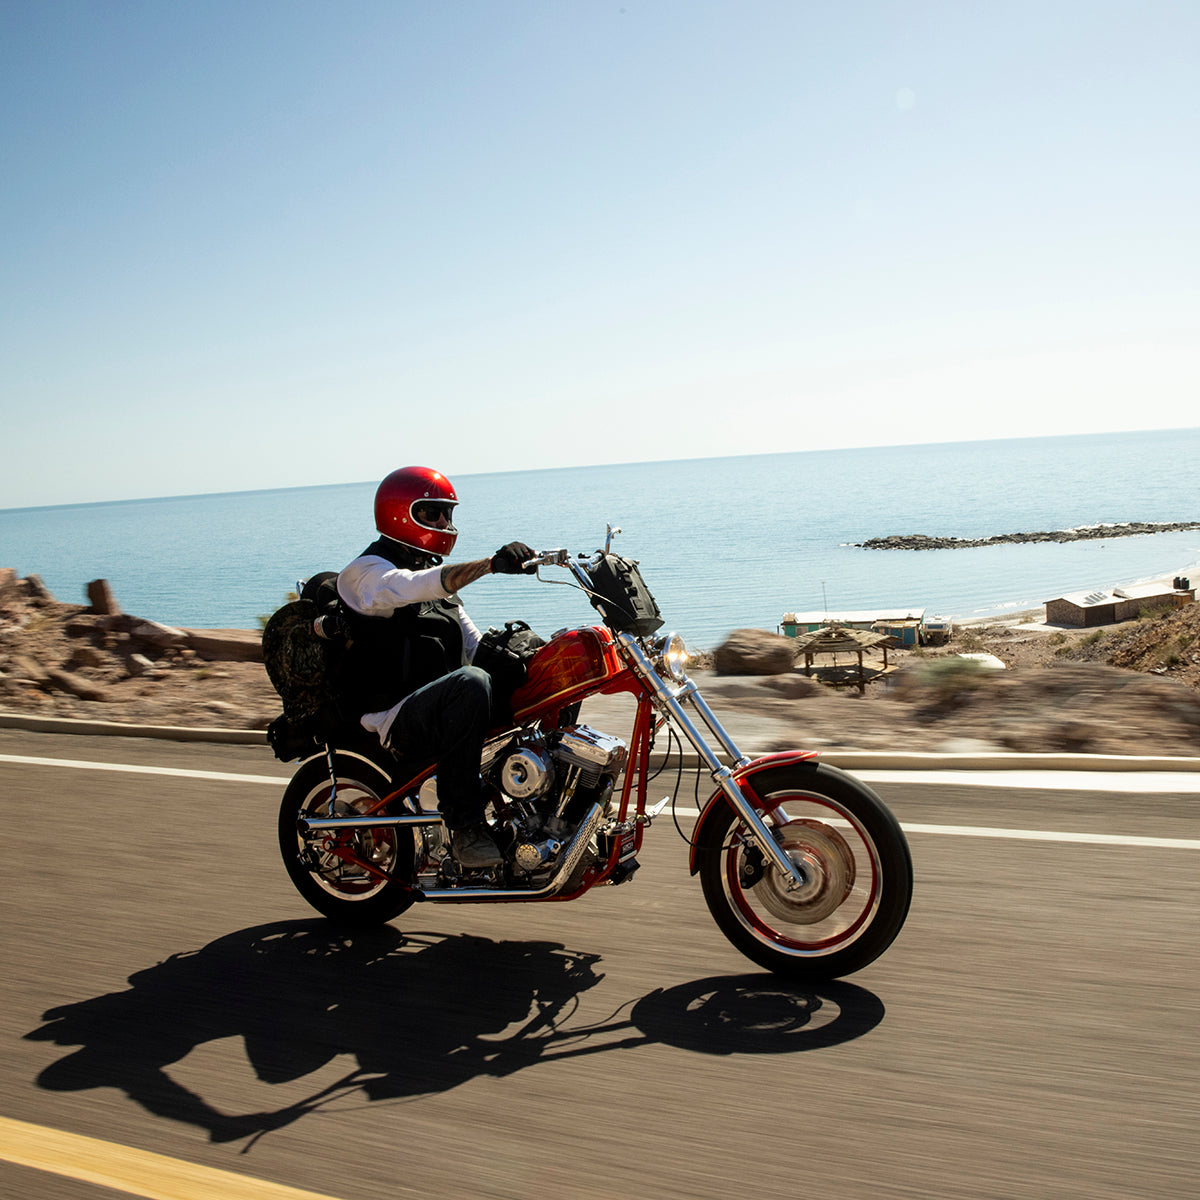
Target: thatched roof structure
<point x="837" y="640"/>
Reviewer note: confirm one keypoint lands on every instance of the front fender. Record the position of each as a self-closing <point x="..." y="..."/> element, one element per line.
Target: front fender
<point x="744" y="778"/>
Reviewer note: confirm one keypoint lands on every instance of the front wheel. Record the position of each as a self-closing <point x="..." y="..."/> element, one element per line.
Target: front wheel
<point x="855" y="862"/>
<point x="342" y="875"/>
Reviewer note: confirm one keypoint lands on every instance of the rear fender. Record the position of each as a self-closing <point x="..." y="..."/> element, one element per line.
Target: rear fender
<point x="744" y="778"/>
<point x="375" y="756"/>
<point x="399" y="776"/>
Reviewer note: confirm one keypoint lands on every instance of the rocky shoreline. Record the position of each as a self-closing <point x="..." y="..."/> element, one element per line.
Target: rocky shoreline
<point x="921" y="541"/>
<point x="96" y="662"/>
<point x="1132" y="689"/>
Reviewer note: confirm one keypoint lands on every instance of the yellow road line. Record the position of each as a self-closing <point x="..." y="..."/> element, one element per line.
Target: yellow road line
<point x="137" y="1172"/>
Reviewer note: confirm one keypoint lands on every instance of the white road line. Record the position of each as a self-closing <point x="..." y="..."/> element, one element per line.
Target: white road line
<point x="1032" y="835"/>
<point x="1050" y="835"/>
<point x="278" y="781"/>
<point x="1027" y="779"/>
<point x="1187" y="782"/>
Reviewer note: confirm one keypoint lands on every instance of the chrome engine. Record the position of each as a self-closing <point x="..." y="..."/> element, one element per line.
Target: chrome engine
<point x="546" y="783"/>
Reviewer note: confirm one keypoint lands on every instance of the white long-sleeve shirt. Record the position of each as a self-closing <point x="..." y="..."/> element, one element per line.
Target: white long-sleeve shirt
<point x="374" y="587"/>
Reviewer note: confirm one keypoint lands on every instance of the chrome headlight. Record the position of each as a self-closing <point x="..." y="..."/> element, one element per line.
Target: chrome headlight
<point x="672" y="658"/>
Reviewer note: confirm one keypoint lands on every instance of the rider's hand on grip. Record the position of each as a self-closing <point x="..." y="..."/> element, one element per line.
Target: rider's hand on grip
<point x="511" y="559"/>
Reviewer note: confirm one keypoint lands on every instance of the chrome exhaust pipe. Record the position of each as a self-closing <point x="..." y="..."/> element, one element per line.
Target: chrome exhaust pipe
<point x="317" y="824"/>
<point x="574" y="851"/>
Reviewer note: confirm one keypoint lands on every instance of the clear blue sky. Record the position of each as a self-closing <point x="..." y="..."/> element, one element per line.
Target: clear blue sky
<point x="267" y="243"/>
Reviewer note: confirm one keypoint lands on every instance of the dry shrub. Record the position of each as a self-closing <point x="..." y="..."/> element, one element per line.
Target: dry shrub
<point x="940" y="683"/>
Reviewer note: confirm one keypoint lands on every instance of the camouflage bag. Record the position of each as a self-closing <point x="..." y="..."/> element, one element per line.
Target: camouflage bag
<point x="303" y="670"/>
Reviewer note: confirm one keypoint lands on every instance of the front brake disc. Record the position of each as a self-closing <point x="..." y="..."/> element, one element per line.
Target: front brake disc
<point x="827" y="861"/>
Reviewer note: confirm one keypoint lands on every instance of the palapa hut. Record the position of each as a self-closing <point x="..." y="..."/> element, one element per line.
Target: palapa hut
<point x="834" y="641"/>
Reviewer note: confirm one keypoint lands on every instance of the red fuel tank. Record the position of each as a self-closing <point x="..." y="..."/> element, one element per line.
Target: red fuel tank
<point x="573" y="665"/>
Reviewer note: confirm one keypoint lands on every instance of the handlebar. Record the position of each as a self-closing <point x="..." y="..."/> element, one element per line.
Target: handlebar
<point x="548" y="558"/>
<point x="562" y="558"/>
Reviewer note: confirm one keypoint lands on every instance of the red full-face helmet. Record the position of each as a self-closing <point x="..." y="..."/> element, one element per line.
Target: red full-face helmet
<point x="410" y="505"/>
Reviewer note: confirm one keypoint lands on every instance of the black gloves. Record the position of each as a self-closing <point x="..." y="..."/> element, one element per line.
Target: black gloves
<point x="510" y="560"/>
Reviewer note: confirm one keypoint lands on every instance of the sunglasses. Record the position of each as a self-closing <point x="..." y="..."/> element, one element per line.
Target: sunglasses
<point x="429" y="511"/>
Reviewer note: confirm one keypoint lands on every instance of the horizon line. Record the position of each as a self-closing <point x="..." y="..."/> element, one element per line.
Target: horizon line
<point x="600" y="466"/>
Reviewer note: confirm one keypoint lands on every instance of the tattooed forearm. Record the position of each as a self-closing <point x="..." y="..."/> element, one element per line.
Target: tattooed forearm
<point x="458" y="575"/>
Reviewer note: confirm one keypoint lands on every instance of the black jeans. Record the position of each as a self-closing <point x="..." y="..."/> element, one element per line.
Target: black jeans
<point x="448" y="720"/>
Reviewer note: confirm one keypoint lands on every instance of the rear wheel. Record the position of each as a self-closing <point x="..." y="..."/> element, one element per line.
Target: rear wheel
<point x="856" y="866"/>
<point x="347" y="887"/>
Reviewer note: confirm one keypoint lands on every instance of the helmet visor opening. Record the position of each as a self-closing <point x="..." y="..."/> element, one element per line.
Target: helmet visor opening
<point x="434" y="514"/>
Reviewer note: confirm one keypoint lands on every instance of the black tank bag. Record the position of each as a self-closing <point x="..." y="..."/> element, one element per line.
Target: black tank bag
<point x="505" y="655"/>
<point x="622" y="597"/>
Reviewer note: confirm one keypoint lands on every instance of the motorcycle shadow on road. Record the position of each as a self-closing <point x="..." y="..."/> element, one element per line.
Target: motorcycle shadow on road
<point x="419" y="1012"/>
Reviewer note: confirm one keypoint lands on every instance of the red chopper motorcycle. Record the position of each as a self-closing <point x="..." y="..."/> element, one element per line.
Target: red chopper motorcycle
<point x="803" y="867"/>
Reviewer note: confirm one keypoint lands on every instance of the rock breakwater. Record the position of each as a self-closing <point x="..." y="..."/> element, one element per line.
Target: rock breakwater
<point x="921" y="541"/>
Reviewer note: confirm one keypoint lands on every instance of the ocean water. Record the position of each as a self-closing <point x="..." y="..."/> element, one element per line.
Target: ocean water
<point x="723" y="543"/>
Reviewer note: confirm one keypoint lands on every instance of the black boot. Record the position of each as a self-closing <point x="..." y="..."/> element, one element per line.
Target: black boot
<point x="473" y="848"/>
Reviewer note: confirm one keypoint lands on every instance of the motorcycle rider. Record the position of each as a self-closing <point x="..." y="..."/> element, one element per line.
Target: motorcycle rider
<point x="407" y="667"/>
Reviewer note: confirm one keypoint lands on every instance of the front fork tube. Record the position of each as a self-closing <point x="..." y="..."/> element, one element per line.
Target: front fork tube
<point x="668" y="700"/>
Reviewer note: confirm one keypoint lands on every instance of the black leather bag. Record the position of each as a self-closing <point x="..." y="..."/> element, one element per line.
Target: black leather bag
<point x="505" y="655"/>
<point x="289" y="742"/>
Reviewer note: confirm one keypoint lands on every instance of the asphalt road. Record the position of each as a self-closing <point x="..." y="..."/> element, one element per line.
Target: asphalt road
<point x="1032" y="1033"/>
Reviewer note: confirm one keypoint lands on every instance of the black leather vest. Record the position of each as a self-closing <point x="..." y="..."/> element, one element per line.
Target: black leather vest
<point x="390" y="657"/>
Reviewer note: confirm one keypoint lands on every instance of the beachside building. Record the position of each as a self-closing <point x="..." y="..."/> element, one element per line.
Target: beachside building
<point x="1085" y="609"/>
